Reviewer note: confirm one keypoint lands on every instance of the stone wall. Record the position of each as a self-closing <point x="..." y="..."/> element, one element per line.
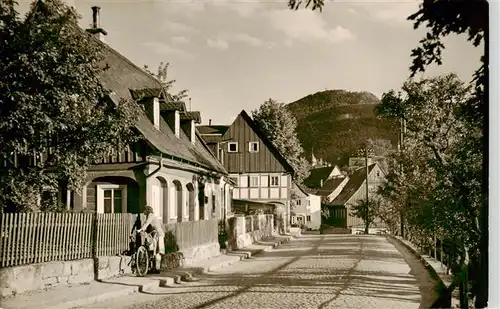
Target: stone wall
<point x="112" y="266"/>
<point x="239" y="238"/>
<point x="201" y="252"/>
<point x="19" y="279"/>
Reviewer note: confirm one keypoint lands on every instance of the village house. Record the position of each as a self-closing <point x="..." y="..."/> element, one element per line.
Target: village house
<point x="169" y="168"/>
<point x="326" y="182"/>
<point x="260" y="172"/>
<point x="306" y="208"/>
<point x="339" y="210"/>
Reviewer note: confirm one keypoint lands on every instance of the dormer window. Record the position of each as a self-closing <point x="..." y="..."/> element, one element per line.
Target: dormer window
<point x="232" y="147"/>
<point x="253" y="147"/>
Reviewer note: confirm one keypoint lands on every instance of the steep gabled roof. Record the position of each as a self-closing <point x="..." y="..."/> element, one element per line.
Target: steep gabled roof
<point x="318" y="174"/>
<point x="329" y="186"/>
<point x="299" y="187"/>
<point x="216" y="129"/>
<point x="353" y="185"/>
<point x="128" y="81"/>
<point x="267" y="142"/>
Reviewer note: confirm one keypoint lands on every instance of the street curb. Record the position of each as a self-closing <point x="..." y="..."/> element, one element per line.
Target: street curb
<point x="127" y="290"/>
<point x="168" y="278"/>
<point x="428" y="266"/>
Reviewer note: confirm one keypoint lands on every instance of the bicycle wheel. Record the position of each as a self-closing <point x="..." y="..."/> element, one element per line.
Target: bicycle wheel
<point x="142" y="261"/>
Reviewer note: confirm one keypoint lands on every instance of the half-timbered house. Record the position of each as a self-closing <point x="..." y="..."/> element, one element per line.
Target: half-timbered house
<point x="258" y="169"/>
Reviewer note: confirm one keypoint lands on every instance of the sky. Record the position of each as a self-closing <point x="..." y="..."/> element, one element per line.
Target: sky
<point x="234" y="55"/>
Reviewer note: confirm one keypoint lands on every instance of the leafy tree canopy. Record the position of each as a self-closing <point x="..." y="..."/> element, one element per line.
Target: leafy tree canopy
<point x="52" y="104"/>
<point x="279" y="125"/>
<point x="162" y="75"/>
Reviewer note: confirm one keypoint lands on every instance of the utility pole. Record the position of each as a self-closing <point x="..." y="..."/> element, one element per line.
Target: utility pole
<point x="367" y="201"/>
<point x="402" y="131"/>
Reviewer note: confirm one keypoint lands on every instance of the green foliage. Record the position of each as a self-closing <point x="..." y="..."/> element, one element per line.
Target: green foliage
<point x="336" y="123"/>
<point x="279" y="125"/>
<point x="51" y="98"/>
<point x="167" y="84"/>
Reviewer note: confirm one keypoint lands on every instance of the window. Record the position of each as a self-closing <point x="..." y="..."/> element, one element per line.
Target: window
<point x="274" y="181"/>
<point x="235" y="179"/>
<point x="232" y="147"/>
<point x="111" y="198"/>
<point x="253" y="146"/>
<point x="112" y="201"/>
<point x="243" y="182"/>
<point x="378" y="174"/>
<point x="298" y="202"/>
<point x="254" y="181"/>
<point x="308" y="218"/>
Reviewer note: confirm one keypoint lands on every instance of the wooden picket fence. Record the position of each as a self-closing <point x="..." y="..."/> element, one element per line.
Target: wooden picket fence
<point x="191" y="233"/>
<point x="27" y="238"/>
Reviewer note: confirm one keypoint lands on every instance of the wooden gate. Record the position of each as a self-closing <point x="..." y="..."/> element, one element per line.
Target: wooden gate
<point x="335" y="215"/>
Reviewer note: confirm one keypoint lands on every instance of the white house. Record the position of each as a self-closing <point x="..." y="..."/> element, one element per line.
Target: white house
<point x="306" y="208"/>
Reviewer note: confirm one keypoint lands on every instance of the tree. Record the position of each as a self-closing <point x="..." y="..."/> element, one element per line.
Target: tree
<point x="167" y="84"/>
<point x="439" y="187"/>
<point x="382" y="151"/>
<point x="366" y="209"/>
<point x="279" y="125"/>
<point x="51" y="100"/>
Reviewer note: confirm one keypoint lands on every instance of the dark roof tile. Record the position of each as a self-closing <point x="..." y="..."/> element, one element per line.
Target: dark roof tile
<point x="352" y="186"/>
<point x="196" y="116"/>
<point x="168" y="106"/>
<point x="213" y="129"/>
<point x="122" y="76"/>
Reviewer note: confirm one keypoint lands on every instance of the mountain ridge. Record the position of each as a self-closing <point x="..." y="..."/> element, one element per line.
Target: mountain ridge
<point x="337" y="122"/>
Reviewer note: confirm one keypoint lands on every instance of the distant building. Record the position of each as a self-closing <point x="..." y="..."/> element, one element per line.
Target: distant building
<point x="306" y="209"/>
<point x="354" y="190"/>
<point x="326" y="182"/>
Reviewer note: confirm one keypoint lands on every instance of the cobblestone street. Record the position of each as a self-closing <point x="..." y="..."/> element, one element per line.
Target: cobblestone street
<point x="313" y="271"/>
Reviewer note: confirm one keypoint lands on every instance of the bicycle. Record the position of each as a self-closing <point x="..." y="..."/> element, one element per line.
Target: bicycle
<point x="143" y="258"/>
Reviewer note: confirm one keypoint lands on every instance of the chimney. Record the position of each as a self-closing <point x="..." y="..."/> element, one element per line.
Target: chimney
<point x="95" y="17"/>
<point x="96" y="24"/>
<point x="209" y="122"/>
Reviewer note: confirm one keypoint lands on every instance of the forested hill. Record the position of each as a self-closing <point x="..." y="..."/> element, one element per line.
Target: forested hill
<point x="337" y="122"/>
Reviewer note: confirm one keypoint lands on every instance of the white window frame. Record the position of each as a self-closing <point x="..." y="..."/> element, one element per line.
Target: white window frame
<point x="250" y="148"/>
<point x="100" y="196"/>
<point x="221" y="156"/>
<point x="250" y="182"/>
<point x="277" y="184"/>
<point x="298" y="202"/>
<point x="229" y="146"/>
